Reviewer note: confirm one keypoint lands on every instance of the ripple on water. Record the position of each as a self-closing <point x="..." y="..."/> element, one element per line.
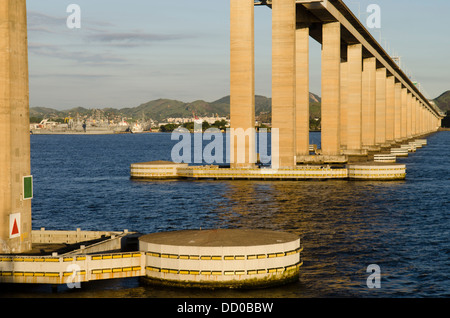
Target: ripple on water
<point x="83" y="181"/>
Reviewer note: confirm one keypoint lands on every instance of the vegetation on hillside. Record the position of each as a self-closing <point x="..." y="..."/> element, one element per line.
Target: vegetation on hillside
<point x="443" y="101"/>
<point x="161" y="109"/>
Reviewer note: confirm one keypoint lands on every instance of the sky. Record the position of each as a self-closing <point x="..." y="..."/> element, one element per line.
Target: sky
<point x="126" y="53"/>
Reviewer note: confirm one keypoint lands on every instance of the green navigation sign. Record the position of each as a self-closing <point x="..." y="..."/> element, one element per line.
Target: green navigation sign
<point x="28" y="187"/>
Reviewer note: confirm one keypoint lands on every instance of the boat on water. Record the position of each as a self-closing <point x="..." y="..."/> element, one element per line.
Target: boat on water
<point x="137" y="128"/>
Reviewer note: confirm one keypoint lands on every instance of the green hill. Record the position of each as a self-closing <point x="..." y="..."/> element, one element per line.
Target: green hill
<point x="443" y="101"/>
<point x="157" y="109"/>
<point x="44" y="111"/>
<point x="161" y="109"/>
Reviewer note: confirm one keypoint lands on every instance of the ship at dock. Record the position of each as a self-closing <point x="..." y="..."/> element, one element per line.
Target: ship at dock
<point x="80" y="127"/>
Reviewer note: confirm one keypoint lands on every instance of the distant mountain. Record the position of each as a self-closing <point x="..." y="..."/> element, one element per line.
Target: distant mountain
<point x="313" y="98"/>
<point x="161" y="109"/>
<point x="443" y="101"/>
<point x="45" y="112"/>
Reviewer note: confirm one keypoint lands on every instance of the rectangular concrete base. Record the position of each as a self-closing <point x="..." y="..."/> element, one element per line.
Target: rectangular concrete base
<point x="355" y="152"/>
<point x="373" y="148"/>
<point x="321" y="159"/>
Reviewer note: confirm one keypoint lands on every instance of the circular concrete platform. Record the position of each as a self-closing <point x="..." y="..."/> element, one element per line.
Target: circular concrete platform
<point x="232" y="258"/>
<point x="377" y="171"/>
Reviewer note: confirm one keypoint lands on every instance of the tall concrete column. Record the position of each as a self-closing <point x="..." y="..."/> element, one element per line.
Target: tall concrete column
<point x="380" y="109"/>
<point x="302" y="90"/>
<point x="408" y="116"/>
<point x="413" y="116"/>
<point x="344" y="104"/>
<point x="283" y="80"/>
<point x="354" y="98"/>
<point x="390" y="109"/>
<point x="242" y="84"/>
<point x="418" y="117"/>
<point x="398" y="112"/>
<point x="331" y="64"/>
<point x="422" y="109"/>
<point x="424" y="120"/>
<point x="404" y="112"/>
<point x="425" y="123"/>
<point x="368" y="102"/>
<point x="421" y="118"/>
<point x="15" y="211"/>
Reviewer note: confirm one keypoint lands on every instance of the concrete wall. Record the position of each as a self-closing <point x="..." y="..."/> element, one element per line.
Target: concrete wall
<point x="69" y="269"/>
<point x="69" y="237"/>
<point x="91" y="262"/>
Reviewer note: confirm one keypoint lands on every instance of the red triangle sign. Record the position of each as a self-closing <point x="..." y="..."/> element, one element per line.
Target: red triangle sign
<point x="15" y="229"/>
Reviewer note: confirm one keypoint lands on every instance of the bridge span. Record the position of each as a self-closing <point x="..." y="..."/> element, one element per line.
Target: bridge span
<point x="368" y="103"/>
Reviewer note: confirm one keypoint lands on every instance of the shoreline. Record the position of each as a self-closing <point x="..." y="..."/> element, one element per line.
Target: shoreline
<point x="93" y="132"/>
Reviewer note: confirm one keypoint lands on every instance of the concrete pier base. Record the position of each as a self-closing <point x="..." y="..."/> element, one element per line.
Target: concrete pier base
<point x="355" y="152"/>
<point x="354" y="169"/>
<point x="374" y="148"/>
<point x="385" y="158"/>
<point x="423" y="142"/>
<point x="356" y="165"/>
<point x="400" y="152"/>
<point x="377" y="171"/>
<point x="222" y="258"/>
<point x="156" y="169"/>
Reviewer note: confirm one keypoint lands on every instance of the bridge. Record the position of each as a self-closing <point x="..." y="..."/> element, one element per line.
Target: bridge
<point x="368" y="103"/>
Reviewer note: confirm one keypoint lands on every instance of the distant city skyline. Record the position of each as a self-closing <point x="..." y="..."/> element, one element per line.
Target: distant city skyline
<point x="130" y="52"/>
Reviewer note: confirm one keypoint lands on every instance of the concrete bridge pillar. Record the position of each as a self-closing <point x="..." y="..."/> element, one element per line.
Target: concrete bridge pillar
<point x="432" y="123"/>
<point x="408" y="115"/>
<point x="419" y="121"/>
<point x="424" y="111"/>
<point x="390" y="109"/>
<point x="404" y="112"/>
<point x="242" y="84"/>
<point x="419" y="117"/>
<point x="283" y="81"/>
<point x="380" y="109"/>
<point x="418" y="105"/>
<point x="398" y="112"/>
<point x="368" y="102"/>
<point x="354" y="99"/>
<point x="422" y="119"/>
<point x="413" y="116"/>
<point x="15" y="210"/>
<point x="344" y="91"/>
<point x="302" y="90"/>
<point x="331" y="73"/>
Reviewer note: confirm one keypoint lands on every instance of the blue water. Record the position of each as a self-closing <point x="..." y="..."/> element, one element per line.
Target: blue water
<point x="344" y="226"/>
